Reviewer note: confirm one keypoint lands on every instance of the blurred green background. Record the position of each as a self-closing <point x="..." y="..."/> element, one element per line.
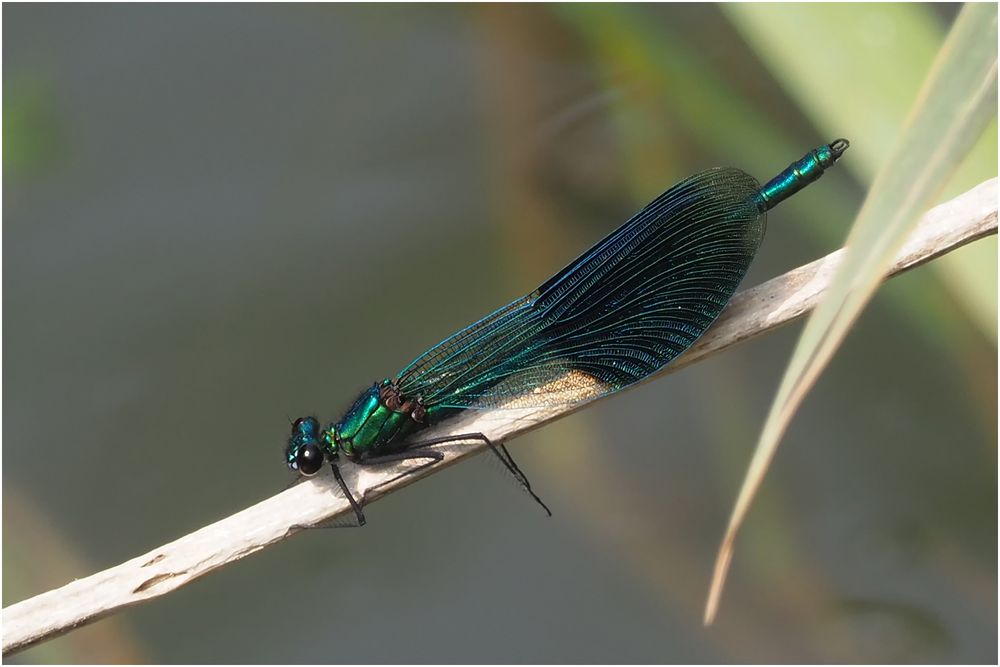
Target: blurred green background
<point x="215" y="217"/>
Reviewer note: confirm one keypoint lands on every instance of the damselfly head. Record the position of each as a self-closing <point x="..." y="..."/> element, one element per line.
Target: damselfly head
<point x="304" y="452"/>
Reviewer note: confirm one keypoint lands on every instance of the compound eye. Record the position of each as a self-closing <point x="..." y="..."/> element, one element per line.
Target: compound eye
<point x="305" y="425"/>
<point x="309" y="459"/>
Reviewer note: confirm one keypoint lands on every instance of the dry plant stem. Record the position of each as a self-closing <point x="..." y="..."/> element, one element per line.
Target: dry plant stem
<point x="752" y="312"/>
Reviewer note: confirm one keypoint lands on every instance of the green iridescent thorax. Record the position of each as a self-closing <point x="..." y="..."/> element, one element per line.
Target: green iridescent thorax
<point x="799" y="174"/>
<point x="378" y="423"/>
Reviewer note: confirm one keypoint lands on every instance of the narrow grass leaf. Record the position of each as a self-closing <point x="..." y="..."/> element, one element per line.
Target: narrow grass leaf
<point x="957" y="101"/>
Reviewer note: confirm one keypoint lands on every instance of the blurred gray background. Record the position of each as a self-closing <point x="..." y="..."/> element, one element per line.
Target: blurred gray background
<point x="215" y="218"/>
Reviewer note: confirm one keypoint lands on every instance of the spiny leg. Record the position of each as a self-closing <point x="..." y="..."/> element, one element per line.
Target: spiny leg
<point x="405" y="455"/>
<point x="508" y="460"/>
<point x="501" y="453"/>
<point x="387" y="458"/>
<point x="347" y="492"/>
